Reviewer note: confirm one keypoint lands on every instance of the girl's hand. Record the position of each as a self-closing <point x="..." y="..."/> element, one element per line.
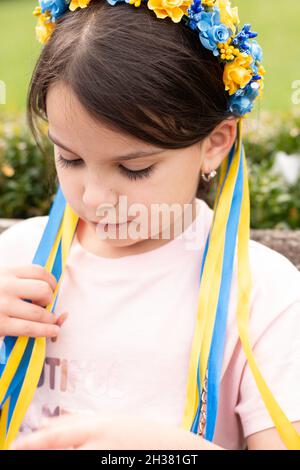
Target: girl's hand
<point x="109" y="432"/>
<point x="19" y="317"/>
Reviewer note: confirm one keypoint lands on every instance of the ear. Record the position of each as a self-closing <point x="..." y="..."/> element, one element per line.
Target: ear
<point x="217" y="145"/>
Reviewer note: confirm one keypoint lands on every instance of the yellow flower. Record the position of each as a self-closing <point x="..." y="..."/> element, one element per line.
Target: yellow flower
<point x="261" y="72"/>
<point x="175" y="9"/>
<point x="78" y="4"/>
<point x="227" y="51"/>
<point x="136" y="3"/>
<point x="37" y="11"/>
<point x="229" y="15"/>
<point x="7" y="170"/>
<point x="237" y="73"/>
<point x="208" y="3"/>
<point x="44" y="27"/>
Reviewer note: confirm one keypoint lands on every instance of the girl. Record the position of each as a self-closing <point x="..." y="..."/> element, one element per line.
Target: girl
<point x="141" y="108"/>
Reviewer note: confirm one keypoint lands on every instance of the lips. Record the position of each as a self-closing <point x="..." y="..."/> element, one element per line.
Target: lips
<point x="105" y="222"/>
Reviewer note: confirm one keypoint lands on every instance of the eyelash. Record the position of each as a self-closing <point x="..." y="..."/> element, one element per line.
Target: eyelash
<point x="133" y="175"/>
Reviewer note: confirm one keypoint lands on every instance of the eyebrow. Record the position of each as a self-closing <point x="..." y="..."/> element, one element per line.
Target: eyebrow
<point x="129" y="156"/>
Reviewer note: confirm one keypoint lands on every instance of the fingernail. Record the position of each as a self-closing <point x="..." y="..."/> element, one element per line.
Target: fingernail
<point x="62" y="318"/>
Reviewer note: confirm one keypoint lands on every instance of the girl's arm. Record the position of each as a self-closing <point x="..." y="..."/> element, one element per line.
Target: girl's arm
<point x="268" y="439"/>
<point x="117" y="432"/>
<point x="125" y="432"/>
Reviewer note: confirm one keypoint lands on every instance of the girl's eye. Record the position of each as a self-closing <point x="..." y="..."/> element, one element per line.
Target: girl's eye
<point x="131" y="174"/>
<point x="146" y="172"/>
<point x="67" y="163"/>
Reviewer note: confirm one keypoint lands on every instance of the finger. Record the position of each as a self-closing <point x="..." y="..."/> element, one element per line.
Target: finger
<point x="39" y="292"/>
<point x="73" y="433"/>
<point x="34" y="271"/>
<point x="68" y="418"/>
<point x="59" y="322"/>
<point x="62" y="318"/>
<point x="17" y="308"/>
<point x="93" y="445"/>
<point x="17" y="327"/>
<point x="55" y="420"/>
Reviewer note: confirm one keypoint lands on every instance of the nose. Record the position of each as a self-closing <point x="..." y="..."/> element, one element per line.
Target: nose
<point x="96" y="196"/>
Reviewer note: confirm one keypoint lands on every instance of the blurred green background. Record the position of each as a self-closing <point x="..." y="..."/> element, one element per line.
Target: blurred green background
<point x="19" y="50"/>
<point x="276" y="22"/>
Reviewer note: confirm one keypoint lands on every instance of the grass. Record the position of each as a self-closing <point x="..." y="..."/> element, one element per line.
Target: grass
<point x="277" y="24"/>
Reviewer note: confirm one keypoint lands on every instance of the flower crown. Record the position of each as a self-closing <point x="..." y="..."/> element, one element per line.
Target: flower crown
<point x="215" y="21"/>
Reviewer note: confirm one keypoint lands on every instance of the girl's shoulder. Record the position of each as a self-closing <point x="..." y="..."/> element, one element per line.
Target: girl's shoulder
<point x="19" y="242"/>
<point x="276" y="289"/>
<point x="273" y="269"/>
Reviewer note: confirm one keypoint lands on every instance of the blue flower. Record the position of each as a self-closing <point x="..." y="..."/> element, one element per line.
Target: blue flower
<point x="194" y="15"/>
<point x="257" y="54"/>
<point x="241" y="40"/>
<point x="213" y="36"/>
<point x="242" y="101"/>
<point x="56" y="7"/>
<point x="113" y="2"/>
<point x="196" y="6"/>
<point x="256" y="51"/>
<point x="212" y="31"/>
<point x="209" y="19"/>
<point x="193" y="12"/>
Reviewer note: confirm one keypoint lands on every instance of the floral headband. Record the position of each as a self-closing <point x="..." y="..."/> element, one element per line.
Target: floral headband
<point x="217" y="25"/>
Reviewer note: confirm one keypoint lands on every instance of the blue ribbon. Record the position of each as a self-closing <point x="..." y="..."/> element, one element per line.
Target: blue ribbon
<point x="218" y="340"/>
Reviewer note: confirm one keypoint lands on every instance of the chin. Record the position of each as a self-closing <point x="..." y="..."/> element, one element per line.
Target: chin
<point x="121" y="242"/>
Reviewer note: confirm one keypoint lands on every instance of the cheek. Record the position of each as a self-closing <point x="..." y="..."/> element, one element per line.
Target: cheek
<point x="71" y="185"/>
<point x="189" y="172"/>
<point x="181" y="179"/>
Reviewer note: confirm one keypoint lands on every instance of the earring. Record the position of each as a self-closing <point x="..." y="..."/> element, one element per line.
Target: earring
<point x="211" y="175"/>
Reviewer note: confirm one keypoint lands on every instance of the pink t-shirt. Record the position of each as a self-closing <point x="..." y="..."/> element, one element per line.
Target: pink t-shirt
<point x="127" y="342"/>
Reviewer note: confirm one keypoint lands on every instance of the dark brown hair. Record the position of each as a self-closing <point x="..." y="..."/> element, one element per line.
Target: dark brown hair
<point x="136" y="73"/>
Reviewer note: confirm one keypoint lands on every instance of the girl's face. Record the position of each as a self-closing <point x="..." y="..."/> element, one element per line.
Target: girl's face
<point x="94" y="168"/>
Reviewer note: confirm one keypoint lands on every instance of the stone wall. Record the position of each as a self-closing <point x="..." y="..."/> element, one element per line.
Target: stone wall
<point x="286" y="242"/>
